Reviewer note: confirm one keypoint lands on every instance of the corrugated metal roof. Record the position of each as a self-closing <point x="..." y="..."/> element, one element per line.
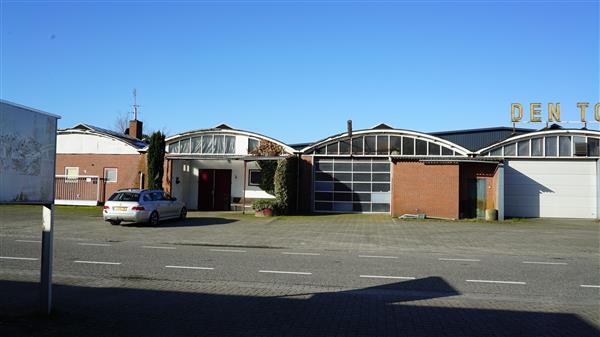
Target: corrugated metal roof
<point x="123" y="137"/>
<point x="475" y="139"/>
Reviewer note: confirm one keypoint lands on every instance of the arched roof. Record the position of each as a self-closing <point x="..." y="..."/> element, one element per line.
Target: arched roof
<point x="378" y="130"/>
<point x="94" y="130"/>
<point x="226" y="129"/>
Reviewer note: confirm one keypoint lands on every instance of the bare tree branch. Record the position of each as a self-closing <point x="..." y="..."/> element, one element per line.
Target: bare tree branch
<point x="121" y="122"/>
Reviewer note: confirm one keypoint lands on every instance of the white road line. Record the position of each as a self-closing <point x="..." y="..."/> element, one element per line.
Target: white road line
<point x="30" y="241"/>
<point x="500" y="282"/>
<point x="188" y="267"/>
<point x="284" y="272"/>
<point x="158" y="247"/>
<point x="388" y="277"/>
<point x="94" y="244"/>
<point x="465" y="260"/>
<point x="539" y="262"/>
<point x="379" y="256"/>
<point x="293" y="253"/>
<point x="228" y="250"/>
<point x="98" y="262"/>
<point x="18" y="258"/>
<point x="589" y="286"/>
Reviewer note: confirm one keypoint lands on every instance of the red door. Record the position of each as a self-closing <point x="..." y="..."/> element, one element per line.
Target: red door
<point x="214" y="190"/>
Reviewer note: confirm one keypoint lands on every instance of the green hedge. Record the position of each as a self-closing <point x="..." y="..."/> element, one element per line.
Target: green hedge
<point x="285" y="185"/>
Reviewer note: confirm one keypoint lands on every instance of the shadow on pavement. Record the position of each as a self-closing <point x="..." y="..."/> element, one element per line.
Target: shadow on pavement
<point x="375" y="311"/>
<point x="188" y="222"/>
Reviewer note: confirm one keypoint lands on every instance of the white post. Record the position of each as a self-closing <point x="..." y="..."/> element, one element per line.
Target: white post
<point x="46" y="268"/>
<point x="500" y="192"/>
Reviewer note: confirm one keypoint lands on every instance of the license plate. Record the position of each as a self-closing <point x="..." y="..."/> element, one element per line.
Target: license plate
<point x="121" y="209"/>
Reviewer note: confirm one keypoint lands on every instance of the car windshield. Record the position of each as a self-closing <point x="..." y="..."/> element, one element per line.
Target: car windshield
<point x="125" y="196"/>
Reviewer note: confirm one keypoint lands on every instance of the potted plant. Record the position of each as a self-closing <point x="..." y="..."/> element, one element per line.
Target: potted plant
<point x="263" y="207"/>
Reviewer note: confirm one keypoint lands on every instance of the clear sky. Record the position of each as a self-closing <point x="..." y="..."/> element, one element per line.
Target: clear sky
<point x="298" y="70"/>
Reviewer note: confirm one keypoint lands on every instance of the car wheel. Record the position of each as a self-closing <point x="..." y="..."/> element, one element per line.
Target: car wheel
<point x="153" y="220"/>
<point x="183" y="213"/>
<point x="114" y="222"/>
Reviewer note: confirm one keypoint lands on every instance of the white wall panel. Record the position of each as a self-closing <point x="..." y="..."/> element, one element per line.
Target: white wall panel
<point x="91" y="143"/>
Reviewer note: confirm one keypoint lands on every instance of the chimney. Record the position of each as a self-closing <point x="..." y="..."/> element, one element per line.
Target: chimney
<point x="135" y="129"/>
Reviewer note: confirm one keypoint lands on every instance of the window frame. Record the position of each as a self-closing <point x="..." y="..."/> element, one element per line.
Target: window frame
<point x="116" y="175"/>
<point x="250" y="183"/>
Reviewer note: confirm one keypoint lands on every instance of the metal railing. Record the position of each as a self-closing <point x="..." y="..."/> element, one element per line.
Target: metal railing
<point x="77" y="190"/>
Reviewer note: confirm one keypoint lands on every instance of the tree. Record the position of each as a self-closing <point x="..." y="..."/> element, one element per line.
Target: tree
<point x="121" y="123"/>
<point x="267" y="172"/>
<point x="156" y="160"/>
<point x="285" y="185"/>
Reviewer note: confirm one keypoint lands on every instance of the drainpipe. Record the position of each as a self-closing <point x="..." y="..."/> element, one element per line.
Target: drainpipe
<point x="141" y="180"/>
<point x="244" y="191"/>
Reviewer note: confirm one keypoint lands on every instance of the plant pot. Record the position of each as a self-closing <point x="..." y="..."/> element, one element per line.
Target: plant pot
<point x="264" y="212"/>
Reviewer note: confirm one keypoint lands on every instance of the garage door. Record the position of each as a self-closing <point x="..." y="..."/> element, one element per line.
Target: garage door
<point x="553" y="189"/>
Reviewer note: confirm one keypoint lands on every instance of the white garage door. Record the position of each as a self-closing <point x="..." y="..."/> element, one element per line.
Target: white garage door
<point x="552" y="189"/>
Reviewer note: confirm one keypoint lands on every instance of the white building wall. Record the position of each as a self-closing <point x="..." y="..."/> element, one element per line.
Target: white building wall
<point x="81" y="143"/>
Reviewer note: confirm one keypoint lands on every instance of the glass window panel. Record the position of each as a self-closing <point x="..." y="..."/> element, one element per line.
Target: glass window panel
<point x="380" y="208"/>
<point x="362" y="207"/>
<point x="197" y="145"/>
<point x="362" y="196"/>
<point x="497" y="152"/>
<point x="320" y="150"/>
<point x="323" y="186"/>
<point x="381" y="187"/>
<point x="383" y="147"/>
<point x="345" y="147"/>
<point x="362" y="187"/>
<point x="219" y="144"/>
<point x="323" y="206"/>
<point x="536" y="147"/>
<point x="208" y="146"/>
<point x="253" y="144"/>
<point x="229" y="144"/>
<point x="381" y="177"/>
<point x="342" y="206"/>
<point x="342" y="197"/>
<point x="421" y="147"/>
<point x="551" y="146"/>
<point x="408" y="146"/>
<point x="343" y="176"/>
<point x="446" y="151"/>
<point x="381" y="167"/>
<point x="369" y="145"/>
<point x="510" y="150"/>
<point x="322" y="196"/>
<point x="357" y="146"/>
<point x="324" y="166"/>
<point x="361" y="167"/>
<point x="564" y="146"/>
<point x="342" y="187"/>
<point x="380" y="197"/>
<point x="362" y="177"/>
<point x="579" y="146"/>
<point x="255" y="177"/>
<point x="332" y="149"/>
<point x="174" y="147"/>
<point x="343" y="166"/>
<point x="320" y="176"/>
<point x="395" y="145"/>
<point x="110" y="175"/>
<point x="593" y="147"/>
<point x="434" y="149"/>
<point x="523" y="147"/>
<point x="184" y="146"/>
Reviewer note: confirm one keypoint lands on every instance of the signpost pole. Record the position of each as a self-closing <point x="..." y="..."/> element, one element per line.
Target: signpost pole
<point x="46" y="269"/>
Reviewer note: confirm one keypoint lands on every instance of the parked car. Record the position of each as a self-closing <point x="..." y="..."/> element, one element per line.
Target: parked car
<point x="147" y="206"/>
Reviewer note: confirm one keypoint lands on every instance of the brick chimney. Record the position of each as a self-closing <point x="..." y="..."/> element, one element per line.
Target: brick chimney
<point x="135" y="129"/>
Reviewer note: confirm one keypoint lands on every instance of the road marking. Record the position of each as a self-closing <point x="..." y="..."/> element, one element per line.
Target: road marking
<point x="388" y="277"/>
<point x="501" y="282"/>
<point x="229" y="250"/>
<point x="284" y="272"/>
<point x="538" y="262"/>
<point x="30" y="241"/>
<point x="465" y="260"/>
<point x="18" y="258"/>
<point x="188" y="267"/>
<point x="158" y="247"/>
<point x="293" y="253"/>
<point x="98" y="262"/>
<point x="589" y="286"/>
<point x="94" y="244"/>
<point x="379" y="256"/>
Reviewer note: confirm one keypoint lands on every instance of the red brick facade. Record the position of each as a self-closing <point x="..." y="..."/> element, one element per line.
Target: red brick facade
<point x="432" y="189"/>
<point x="128" y="167"/>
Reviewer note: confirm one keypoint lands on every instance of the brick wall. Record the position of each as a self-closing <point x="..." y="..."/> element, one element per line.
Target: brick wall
<point x="128" y="167"/>
<point x="432" y="189"/>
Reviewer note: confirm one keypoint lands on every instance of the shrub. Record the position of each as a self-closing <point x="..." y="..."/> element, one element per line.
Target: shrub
<point x="261" y="204"/>
<point x="267" y="168"/>
<point x="156" y="160"/>
<point x="285" y="185"/>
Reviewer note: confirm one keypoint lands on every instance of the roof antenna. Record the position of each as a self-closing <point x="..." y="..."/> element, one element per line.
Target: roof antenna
<point x="135" y="105"/>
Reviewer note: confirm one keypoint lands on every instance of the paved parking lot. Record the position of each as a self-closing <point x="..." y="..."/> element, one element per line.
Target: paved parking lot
<point x="348" y="275"/>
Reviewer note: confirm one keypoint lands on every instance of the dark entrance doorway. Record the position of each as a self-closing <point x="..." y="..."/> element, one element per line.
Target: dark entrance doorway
<point x="214" y="190"/>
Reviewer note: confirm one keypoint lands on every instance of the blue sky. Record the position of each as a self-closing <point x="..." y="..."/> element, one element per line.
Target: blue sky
<point x="298" y="70"/>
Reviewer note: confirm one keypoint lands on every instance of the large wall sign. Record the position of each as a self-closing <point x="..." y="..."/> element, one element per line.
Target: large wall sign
<point x="553" y="112"/>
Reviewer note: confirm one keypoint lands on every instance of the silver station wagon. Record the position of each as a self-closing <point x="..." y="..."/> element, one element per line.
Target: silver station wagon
<point x="146" y="206"/>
